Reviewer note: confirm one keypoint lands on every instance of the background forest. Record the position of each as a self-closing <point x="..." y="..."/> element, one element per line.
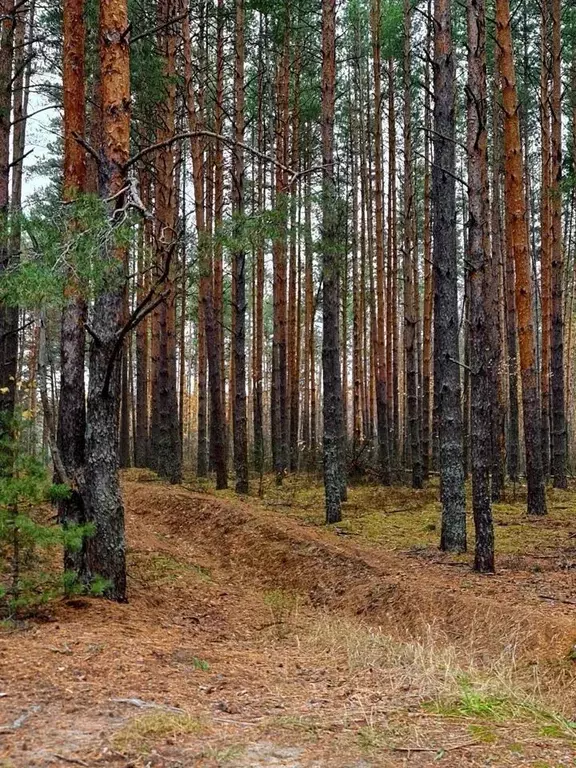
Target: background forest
<point x="281" y="238"/>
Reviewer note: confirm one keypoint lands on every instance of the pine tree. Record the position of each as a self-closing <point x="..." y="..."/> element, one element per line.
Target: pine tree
<point x="446" y="352"/>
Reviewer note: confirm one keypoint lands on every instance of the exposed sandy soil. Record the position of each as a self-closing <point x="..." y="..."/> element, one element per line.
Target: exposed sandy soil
<point x="252" y="639"/>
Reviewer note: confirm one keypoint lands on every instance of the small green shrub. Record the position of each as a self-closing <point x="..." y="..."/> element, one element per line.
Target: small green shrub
<point x="29" y="534"/>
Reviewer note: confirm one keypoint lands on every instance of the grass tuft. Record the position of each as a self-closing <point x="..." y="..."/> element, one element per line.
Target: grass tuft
<point x="282" y="606"/>
<point x="141" y="733"/>
<point x="448" y="681"/>
<point x="161" y="568"/>
<point x="223" y="755"/>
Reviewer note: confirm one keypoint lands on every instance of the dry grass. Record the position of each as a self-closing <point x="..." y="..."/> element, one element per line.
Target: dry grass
<point x="223" y="755"/>
<point x="140" y="734"/>
<point x="160" y="568"/>
<point x="283" y="606"/>
<point x="448" y="680"/>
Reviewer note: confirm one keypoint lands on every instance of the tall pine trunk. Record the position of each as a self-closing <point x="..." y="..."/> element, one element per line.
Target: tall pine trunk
<point x="479" y="266"/>
<point x="545" y="236"/>
<point x="428" y="287"/>
<point x="380" y="350"/>
<point x="446" y="352"/>
<point x="106" y="549"/>
<point x="332" y="403"/>
<point x="240" y="422"/>
<point x="8" y="314"/>
<point x="72" y="407"/>
<point x="409" y="250"/>
<point x="496" y="320"/>
<point x="279" y="404"/>
<point x="167" y="444"/>
<point x="559" y="435"/>
<point x="517" y="235"/>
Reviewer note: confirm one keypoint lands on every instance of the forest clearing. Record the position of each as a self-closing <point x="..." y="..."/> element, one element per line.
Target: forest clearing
<point x="255" y="636"/>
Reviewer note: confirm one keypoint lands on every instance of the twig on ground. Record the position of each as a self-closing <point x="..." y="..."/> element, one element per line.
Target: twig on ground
<point x="74" y="760"/>
<point x="147" y="705"/>
<point x="451" y="748"/>
<point x="557" y="599"/>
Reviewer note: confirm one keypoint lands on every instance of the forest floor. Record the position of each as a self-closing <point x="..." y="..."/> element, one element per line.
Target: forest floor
<point x="255" y="636"/>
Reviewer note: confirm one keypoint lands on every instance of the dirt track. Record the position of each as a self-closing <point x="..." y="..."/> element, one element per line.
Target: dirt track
<point x="249" y="640"/>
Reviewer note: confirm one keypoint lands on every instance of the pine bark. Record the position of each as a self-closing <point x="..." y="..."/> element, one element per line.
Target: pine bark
<point x="194" y="119"/>
<point x="332" y="402"/>
<point x="106" y="549"/>
<point x="479" y="266"/>
<point x="380" y="350"/>
<point x="141" y="437"/>
<point x="394" y="355"/>
<point x="72" y="407"/>
<point x="8" y="314"/>
<point x="258" y="299"/>
<point x="167" y="444"/>
<point x="428" y="286"/>
<point x="218" y="266"/>
<point x="517" y="235"/>
<point x="559" y="432"/>
<point x="279" y="394"/>
<point x="293" y="315"/>
<point x="410" y="283"/>
<point x="545" y="236"/>
<point x="446" y="352"/>
<point x="240" y="424"/>
<point x="496" y="321"/>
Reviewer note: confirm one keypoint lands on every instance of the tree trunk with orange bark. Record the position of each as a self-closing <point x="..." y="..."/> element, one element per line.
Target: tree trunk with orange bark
<point x="517" y="235"/>
<point x="105" y="549"/>
<point x="72" y="406"/>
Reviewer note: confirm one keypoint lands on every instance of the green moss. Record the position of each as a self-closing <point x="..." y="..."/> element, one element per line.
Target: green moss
<point x="402" y="519"/>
